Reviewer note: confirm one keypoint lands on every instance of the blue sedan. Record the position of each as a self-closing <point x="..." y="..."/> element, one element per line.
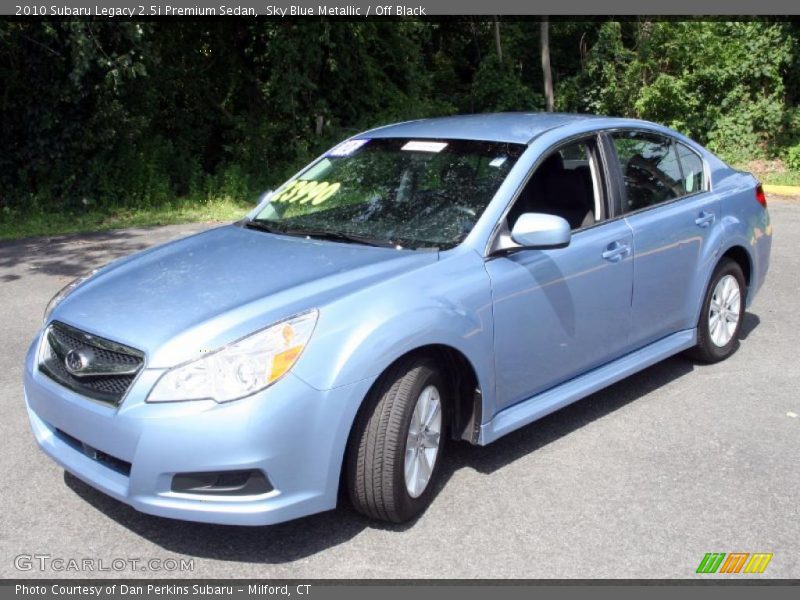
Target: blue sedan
<point x="422" y="283"/>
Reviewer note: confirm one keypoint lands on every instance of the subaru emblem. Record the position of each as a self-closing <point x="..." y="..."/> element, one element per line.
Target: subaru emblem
<point x="76" y="361"/>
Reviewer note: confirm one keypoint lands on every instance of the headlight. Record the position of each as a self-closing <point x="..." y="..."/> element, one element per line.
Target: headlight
<point x="241" y="368"/>
<point x="64" y="292"/>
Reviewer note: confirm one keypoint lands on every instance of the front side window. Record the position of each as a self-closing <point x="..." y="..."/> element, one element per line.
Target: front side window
<point x="656" y="169"/>
<point x="565" y="184"/>
<point x="407" y="192"/>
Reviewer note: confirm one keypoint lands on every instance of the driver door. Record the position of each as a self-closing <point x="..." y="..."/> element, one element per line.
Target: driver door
<point x="561" y="312"/>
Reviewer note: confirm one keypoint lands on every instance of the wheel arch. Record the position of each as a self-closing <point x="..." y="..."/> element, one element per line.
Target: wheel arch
<point x="736" y="252"/>
<point x="466" y="410"/>
<point x="464" y="387"/>
<point x="742" y="257"/>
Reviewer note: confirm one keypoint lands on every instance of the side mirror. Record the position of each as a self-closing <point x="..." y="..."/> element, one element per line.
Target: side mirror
<point x="539" y="230"/>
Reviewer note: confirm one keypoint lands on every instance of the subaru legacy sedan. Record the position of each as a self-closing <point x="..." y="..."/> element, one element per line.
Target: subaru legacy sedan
<point x="419" y="284"/>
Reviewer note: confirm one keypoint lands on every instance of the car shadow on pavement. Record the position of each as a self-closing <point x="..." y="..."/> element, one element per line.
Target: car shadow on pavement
<point x="299" y="539"/>
<point x="524" y="441"/>
<point x="72" y="255"/>
<point x="68" y="255"/>
<point x="274" y="544"/>
<point x="749" y="323"/>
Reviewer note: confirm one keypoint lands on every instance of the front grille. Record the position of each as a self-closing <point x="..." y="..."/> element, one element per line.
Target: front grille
<point x="87" y="364"/>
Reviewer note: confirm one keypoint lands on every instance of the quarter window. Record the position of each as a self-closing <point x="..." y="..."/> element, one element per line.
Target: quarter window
<point x="694" y="179"/>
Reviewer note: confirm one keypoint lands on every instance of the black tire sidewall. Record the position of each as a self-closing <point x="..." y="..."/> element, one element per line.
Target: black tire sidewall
<point x="709" y="351"/>
<point x="408" y="507"/>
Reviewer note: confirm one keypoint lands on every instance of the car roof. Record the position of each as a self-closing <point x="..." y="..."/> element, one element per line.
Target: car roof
<point x="518" y="128"/>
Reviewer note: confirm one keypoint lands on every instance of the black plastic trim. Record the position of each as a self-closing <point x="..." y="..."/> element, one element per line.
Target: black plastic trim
<point x="222" y="483"/>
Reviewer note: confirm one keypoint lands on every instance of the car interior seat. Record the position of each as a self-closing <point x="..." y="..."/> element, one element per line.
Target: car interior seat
<point x="569" y="196"/>
<point x="535" y="188"/>
<point x="554" y="190"/>
<point x="647" y="184"/>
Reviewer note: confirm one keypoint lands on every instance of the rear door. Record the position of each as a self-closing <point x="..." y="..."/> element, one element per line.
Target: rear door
<point x="666" y="203"/>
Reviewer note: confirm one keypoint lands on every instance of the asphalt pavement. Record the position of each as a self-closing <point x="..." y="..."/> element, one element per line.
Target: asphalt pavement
<point x="637" y="481"/>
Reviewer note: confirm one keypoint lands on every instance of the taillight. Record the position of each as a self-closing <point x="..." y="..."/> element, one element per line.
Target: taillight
<point x="760" y="196"/>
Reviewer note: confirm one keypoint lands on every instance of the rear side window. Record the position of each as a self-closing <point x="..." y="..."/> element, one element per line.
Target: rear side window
<point x="650" y="168"/>
<point x="655" y="169"/>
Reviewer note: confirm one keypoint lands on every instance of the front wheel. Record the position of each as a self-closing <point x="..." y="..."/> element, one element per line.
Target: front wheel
<point x="397" y="443"/>
<point x="722" y="313"/>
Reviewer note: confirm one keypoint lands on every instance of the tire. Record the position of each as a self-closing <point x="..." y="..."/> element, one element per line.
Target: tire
<point x="376" y="459"/>
<point x="713" y="342"/>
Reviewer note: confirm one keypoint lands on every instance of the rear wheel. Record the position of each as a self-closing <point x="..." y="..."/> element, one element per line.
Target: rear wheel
<point x="397" y="443"/>
<point x="722" y="313"/>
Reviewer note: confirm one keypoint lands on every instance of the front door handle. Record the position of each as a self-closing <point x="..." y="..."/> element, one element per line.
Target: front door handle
<point x="704" y="219"/>
<point x="616" y="251"/>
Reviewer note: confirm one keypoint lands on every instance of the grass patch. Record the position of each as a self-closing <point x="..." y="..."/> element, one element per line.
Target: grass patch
<point x="788" y="178"/>
<point x="772" y="172"/>
<point x="45" y="223"/>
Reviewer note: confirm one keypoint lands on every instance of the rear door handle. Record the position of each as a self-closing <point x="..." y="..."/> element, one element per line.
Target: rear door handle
<point x="705" y="219"/>
<point x="616" y="251"/>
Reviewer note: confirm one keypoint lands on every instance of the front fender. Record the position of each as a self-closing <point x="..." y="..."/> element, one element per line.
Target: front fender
<point x="358" y="337"/>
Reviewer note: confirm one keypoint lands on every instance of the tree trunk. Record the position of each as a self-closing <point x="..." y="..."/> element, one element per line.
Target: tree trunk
<point x="498" y="46"/>
<point x="547" y="74"/>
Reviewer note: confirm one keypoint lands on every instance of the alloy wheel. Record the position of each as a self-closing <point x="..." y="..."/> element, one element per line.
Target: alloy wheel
<point x="422" y="443"/>
<point x="724" y="311"/>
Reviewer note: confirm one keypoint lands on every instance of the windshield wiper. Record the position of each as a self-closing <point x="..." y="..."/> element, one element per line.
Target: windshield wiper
<point x="340" y="236"/>
<point x="262" y="225"/>
<point x="322" y="234"/>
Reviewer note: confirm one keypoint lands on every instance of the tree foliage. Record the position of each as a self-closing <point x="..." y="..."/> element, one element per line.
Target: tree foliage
<point x="123" y="113"/>
<point x="720" y="82"/>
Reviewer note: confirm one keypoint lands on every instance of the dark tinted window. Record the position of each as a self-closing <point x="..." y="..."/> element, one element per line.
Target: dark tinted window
<point x="650" y="167"/>
<point x="562" y="185"/>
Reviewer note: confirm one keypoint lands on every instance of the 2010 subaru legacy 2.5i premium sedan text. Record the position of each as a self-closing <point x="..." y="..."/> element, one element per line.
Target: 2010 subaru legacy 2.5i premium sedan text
<point x="444" y="279"/>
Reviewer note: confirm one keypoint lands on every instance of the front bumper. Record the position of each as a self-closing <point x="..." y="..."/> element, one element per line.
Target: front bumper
<point x="291" y="431"/>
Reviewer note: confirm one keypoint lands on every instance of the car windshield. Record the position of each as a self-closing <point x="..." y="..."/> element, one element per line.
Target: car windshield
<point x="393" y="191"/>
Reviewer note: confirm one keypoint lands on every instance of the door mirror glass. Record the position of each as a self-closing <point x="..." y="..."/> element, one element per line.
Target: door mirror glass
<point x="539" y="230"/>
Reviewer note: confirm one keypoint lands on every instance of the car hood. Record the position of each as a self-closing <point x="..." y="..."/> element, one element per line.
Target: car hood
<point x="186" y="297"/>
